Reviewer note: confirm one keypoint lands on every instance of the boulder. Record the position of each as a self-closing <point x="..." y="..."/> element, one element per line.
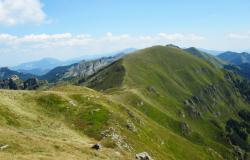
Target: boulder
<point x="143" y="156"/>
<point x="14" y="77"/>
<point x="4" y="84"/>
<point x="240" y="153"/>
<point x="130" y="125"/>
<point x="31" y="83"/>
<point x="12" y="84"/>
<point x="2" y="147"/>
<point x="181" y="114"/>
<point x="185" y="129"/>
<point x="96" y="146"/>
<point x="193" y="112"/>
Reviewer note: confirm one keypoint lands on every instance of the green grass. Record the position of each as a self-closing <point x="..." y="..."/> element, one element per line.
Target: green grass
<point x="148" y="89"/>
<point x="175" y="76"/>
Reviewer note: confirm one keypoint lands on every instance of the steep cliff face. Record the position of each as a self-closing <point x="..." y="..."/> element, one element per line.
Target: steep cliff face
<point x="79" y="70"/>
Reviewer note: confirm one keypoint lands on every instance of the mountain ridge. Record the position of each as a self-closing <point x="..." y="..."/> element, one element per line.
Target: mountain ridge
<point x="235" y="58"/>
<point x="174" y="95"/>
<point x="158" y="101"/>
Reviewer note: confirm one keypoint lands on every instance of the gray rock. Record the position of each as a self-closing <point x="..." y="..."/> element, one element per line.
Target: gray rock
<point x="96" y="146"/>
<point x="186" y="102"/>
<point x="31" y="83"/>
<point x="143" y="156"/>
<point x="239" y="152"/>
<point x="185" y="129"/>
<point x="153" y="90"/>
<point x="193" y="112"/>
<point x="12" y="84"/>
<point x="3" y="147"/>
<point x="130" y="125"/>
<point x="181" y="114"/>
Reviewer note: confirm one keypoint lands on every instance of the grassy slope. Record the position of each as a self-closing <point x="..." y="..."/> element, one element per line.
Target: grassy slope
<point x="158" y="80"/>
<point x="53" y="124"/>
<point x="63" y="123"/>
<point x="209" y="58"/>
<point x="140" y="111"/>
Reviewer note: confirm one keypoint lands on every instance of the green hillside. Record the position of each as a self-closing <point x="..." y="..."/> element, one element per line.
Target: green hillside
<point x="179" y="91"/>
<point x="205" y="56"/>
<point x="159" y="100"/>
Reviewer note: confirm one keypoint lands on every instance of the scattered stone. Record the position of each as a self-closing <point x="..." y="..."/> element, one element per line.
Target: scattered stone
<point x="162" y="142"/>
<point x="130" y="125"/>
<point x="4" y="147"/>
<point x="239" y="152"/>
<point x="96" y="146"/>
<point x="14" y="77"/>
<point x="130" y="113"/>
<point x="141" y="103"/>
<point x="72" y="103"/>
<point x="196" y="99"/>
<point x="185" y="129"/>
<point x="120" y="141"/>
<point x="186" y="102"/>
<point x="143" y="156"/>
<point x="181" y="114"/>
<point x="152" y="90"/>
<point x="193" y="112"/>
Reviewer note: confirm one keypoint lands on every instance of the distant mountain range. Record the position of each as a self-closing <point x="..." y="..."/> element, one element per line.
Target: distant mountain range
<point x="212" y="52"/>
<point x="79" y="70"/>
<point x="54" y="70"/>
<point x="237" y="62"/>
<point x="43" y="66"/>
<point x="235" y="58"/>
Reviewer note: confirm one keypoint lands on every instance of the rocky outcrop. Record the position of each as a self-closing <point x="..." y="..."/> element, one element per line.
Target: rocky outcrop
<point x="130" y="125"/>
<point x="185" y="129"/>
<point x="81" y="70"/>
<point x="193" y="112"/>
<point x="198" y="103"/>
<point x="96" y="146"/>
<point x="143" y="156"/>
<point x="112" y="135"/>
<point x="152" y="89"/>
<point x="13" y="83"/>
<point x="31" y="83"/>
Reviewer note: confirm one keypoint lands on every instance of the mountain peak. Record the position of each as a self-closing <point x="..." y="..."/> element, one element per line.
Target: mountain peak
<point x="173" y="46"/>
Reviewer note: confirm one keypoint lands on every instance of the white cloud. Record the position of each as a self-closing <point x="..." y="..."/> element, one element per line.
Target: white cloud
<point x="7" y="37"/>
<point x="67" y="45"/>
<point x="14" y="12"/>
<point x="178" y="36"/>
<point x="45" y="37"/>
<point x="239" y="36"/>
<point x="81" y="39"/>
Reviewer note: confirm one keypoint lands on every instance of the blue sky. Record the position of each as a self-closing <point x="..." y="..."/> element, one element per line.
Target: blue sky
<point x="33" y="29"/>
